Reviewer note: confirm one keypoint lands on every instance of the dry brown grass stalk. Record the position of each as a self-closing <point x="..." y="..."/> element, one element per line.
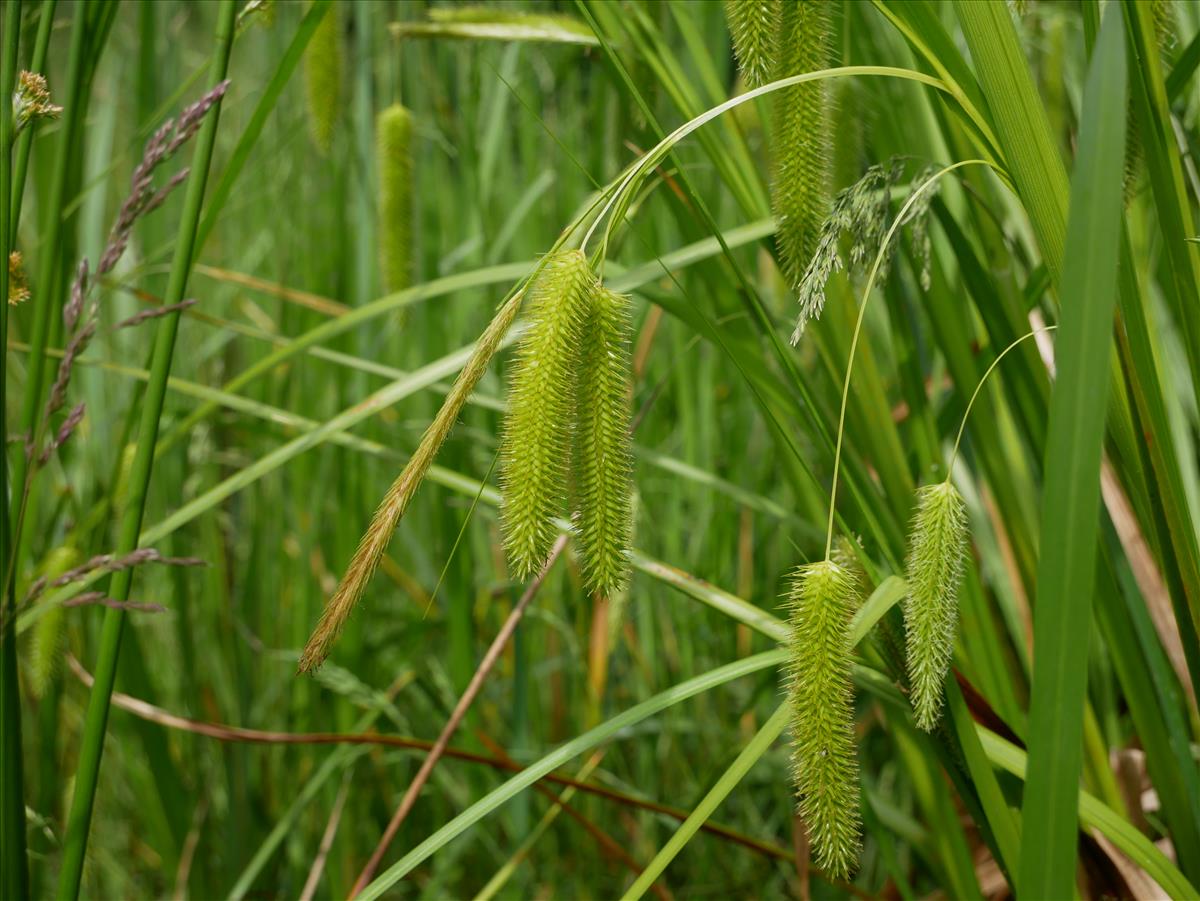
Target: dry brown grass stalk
<point x="375" y="541"/>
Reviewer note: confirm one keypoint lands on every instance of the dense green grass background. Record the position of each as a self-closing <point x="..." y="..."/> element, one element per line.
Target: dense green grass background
<point x="734" y="439"/>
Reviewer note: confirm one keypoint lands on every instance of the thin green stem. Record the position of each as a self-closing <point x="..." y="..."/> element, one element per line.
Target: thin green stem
<point x="963" y="425"/>
<point x="25" y="140"/>
<point x="862" y="309"/>
<point x="13" y="876"/>
<point x="44" y="300"/>
<point x="152" y="404"/>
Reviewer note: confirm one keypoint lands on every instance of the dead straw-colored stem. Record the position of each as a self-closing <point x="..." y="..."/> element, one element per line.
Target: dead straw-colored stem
<point x="318" y="865"/>
<point x="456" y="718"/>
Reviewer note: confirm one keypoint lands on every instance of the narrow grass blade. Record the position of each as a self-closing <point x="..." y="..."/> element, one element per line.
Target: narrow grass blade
<point x="13" y="875"/>
<point x="88" y="768"/>
<point x="555" y="759"/>
<point x="1070" y="505"/>
<point x="757" y="747"/>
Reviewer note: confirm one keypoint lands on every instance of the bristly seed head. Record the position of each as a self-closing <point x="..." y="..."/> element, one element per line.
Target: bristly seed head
<point x="31" y="101"/>
<point x="754" y="27"/>
<point x="393" y="151"/>
<point x="935" y="563"/>
<point x="535" y="447"/>
<point x="18" y="283"/>
<point x="822" y="601"/>
<point x="323" y="79"/>
<point x="603" y="452"/>
<point x="803" y="140"/>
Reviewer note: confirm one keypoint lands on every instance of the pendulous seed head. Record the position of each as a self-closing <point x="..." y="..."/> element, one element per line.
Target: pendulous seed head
<point x="603" y="456"/>
<point x="393" y="152"/>
<point x="535" y="446"/>
<point x="323" y="79"/>
<point x="822" y="599"/>
<point x="754" y="27"/>
<point x="935" y="563"/>
<point x="803" y="140"/>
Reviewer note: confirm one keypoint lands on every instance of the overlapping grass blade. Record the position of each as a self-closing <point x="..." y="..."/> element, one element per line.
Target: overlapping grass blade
<point x="1071" y="502"/>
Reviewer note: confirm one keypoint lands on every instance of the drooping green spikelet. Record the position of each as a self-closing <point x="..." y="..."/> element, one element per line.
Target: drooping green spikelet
<point x="603" y="456"/>
<point x="323" y="79"/>
<point x="754" y="26"/>
<point x="935" y="562"/>
<point x="393" y="151"/>
<point x="535" y="447"/>
<point x="803" y="147"/>
<point x="822" y="600"/>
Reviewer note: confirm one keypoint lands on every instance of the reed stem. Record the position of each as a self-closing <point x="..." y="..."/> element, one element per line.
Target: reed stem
<point x="13" y="876"/>
<point x="134" y="507"/>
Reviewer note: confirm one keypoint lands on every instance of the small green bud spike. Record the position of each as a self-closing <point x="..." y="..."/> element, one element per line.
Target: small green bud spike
<point x="393" y="152"/>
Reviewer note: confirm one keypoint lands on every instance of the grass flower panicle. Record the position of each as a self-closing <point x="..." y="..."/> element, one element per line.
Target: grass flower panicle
<point x="603" y="451"/>
<point x="803" y="141"/>
<point x="393" y="149"/>
<point x="754" y="27"/>
<point x="935" y="564"/>
<point x="822" y="600"/>
<point x="535" y="448"/>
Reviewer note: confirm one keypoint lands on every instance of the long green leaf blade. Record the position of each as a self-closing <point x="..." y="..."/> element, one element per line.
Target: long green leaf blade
<point x="1071" y="502"/>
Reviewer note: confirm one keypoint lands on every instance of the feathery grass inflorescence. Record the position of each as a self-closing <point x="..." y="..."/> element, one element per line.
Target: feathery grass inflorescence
<point x="822" y="601"/>
<point x="379" y="533"/>
<point x="393" y="151"/>
<point x="323" y="79"/>
<point x="754" y="27"/>
<point x="935" y="564"/>
<point x="603" y="455"/>
<point x="535" y="448"/>
<point x="862" y="211"/>
<point x="803" y="139"/>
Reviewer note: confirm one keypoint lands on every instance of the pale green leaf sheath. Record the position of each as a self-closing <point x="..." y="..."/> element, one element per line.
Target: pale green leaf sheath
<point x="803" y="157"/>
<point x="393" y="150"/>
<point x="535" y="448"/>
<point x="822" y="600"/>
<point x="604" y="458"/>
<point x="935" y="563"/>
<point x="754" y="25"/>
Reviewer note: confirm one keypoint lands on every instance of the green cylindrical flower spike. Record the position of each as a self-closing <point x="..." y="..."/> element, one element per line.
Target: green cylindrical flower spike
<point x="323" y="79"/>
<point x="754" y="26"/>
<point x="46" y="653"/>
<point x="822" y="600"/>
<point x="603" y="455"/>
<point x="935" y="562"/>
<point x="535" y="448"/>
<point x="803" y="143"/>
<point x="393" y="151"/>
